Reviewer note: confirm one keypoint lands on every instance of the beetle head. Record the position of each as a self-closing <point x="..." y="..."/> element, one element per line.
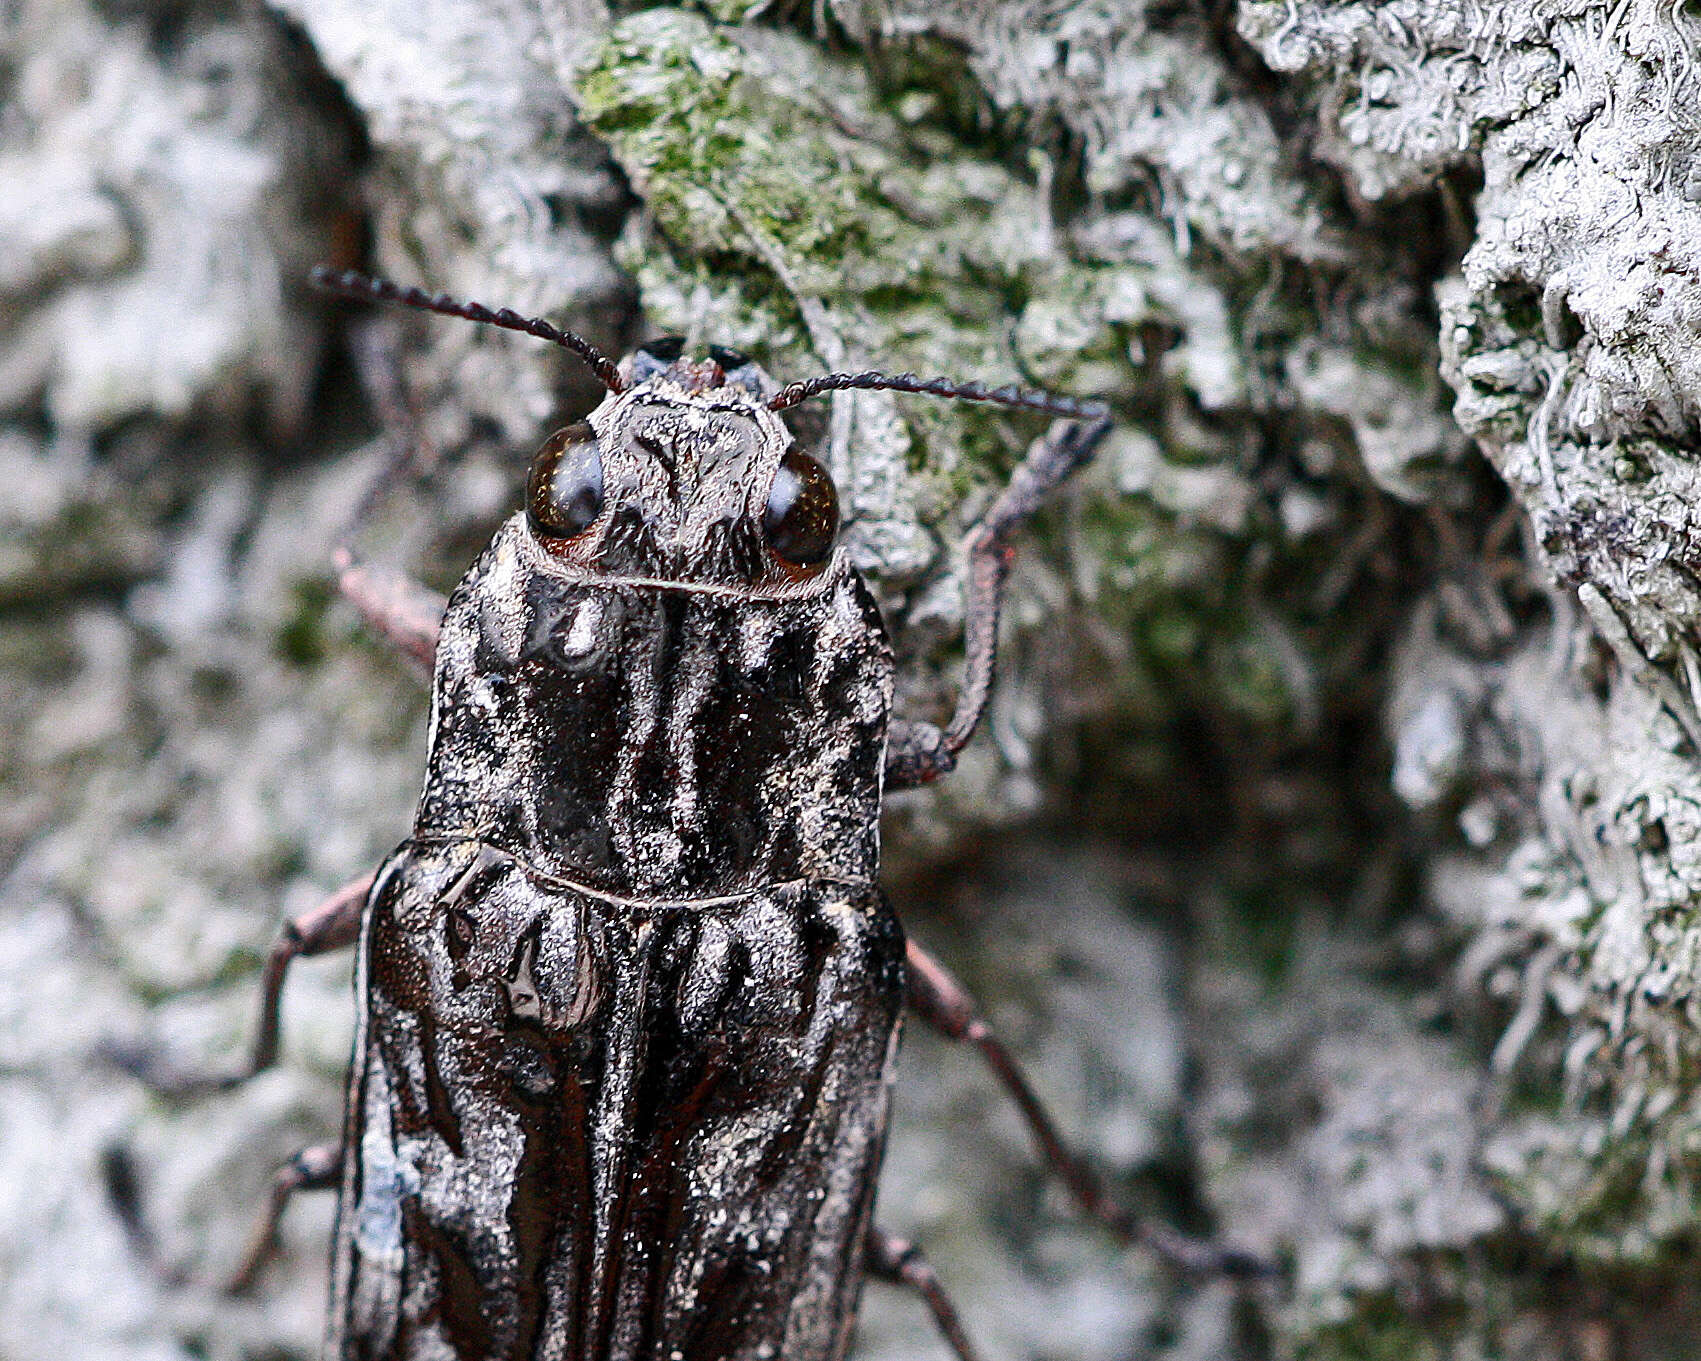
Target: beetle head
<point x="686" y="475"/>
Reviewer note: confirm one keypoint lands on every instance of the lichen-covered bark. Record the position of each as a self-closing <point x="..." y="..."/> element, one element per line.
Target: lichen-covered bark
<point x="1556" y="767"/>
<point x="1379" y="955"/>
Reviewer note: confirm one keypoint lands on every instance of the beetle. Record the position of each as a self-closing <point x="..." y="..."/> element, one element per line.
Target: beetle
<point x="629" y="993"/>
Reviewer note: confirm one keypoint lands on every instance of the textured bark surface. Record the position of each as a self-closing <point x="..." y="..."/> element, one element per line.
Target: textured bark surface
<point x="1344" y="780"/>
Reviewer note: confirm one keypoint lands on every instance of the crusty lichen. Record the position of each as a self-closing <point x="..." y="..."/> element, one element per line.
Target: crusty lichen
<point x="1438" y="1058"/>
<point x="141" y="187"/>
<point x="1568" y="337"/>
<point x="482" y="187"/>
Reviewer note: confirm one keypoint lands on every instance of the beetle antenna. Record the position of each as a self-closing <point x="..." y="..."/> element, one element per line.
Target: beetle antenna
<point x="348" y="284"/>
<point x="871" y="380"/>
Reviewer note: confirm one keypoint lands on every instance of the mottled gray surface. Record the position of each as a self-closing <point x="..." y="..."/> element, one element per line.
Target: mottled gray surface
<point x="1382" y="954"/>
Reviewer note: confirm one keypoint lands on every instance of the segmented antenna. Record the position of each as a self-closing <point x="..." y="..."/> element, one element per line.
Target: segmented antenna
<point x="871" y="380"/>
<point x="348" y="284"/>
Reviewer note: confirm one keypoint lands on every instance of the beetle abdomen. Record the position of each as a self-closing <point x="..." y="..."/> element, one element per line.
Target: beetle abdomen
<point x="599" y="1129"/>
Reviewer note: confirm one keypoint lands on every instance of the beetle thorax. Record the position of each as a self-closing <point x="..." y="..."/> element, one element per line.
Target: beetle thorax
<point x="649" y="738"/>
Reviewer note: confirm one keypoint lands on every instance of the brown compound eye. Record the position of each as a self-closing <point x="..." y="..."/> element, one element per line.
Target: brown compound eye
<point x="564" y="490"/>
<point x="802" y="516"/>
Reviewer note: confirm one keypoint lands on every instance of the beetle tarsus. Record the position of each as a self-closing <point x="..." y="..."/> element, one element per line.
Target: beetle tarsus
<point x="333" y="925"/>
<point x="124" y="1194"/>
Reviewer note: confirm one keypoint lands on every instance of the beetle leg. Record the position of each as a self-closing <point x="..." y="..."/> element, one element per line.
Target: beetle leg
<point x="314" y="1168"/>
<point x="900" y="1262"/>
<point x="917" y="753"/>
<point x="332" y="925"/>
<point x="394" y="606"/>
<point x="940" y="1000"/>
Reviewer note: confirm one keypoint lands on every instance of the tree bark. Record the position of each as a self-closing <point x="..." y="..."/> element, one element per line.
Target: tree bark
<point x="1344" y="759"/>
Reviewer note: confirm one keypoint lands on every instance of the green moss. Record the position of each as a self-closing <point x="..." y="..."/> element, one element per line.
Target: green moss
<point x="1391" y="1337"/>
<point x="1265" y="932"/>
<point x="1250" y="681"/>
<point x="301" y="640"/>
<point x="1493" y="1303"/>
<point x="1613" y="1199"/>
<point x="778" y="177"/>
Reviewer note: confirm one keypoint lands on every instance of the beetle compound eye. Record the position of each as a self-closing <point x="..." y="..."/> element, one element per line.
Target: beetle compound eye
<point x="802" y="516"/>
<point x="654" y="356"/>
<point x="564" y="491"/>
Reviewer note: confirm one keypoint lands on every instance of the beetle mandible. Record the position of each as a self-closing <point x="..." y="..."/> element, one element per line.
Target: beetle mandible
<point x="629" y="992"/>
